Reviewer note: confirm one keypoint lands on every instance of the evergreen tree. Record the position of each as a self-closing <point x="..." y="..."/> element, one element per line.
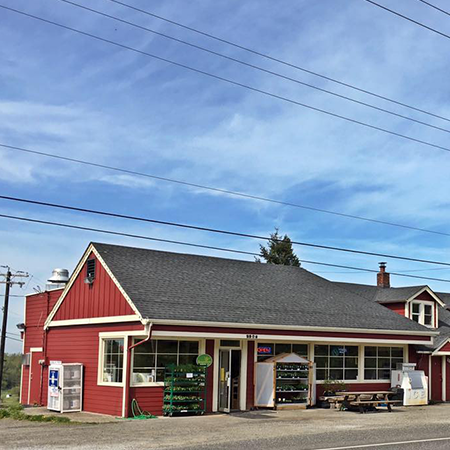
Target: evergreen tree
<point x="279" y="251"/>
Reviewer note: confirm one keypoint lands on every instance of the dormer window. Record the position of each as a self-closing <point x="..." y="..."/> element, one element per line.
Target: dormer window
<point x="423" y="312"/>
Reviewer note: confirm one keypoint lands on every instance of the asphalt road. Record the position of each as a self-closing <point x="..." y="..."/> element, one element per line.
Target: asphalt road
<point x="406" y="428"/>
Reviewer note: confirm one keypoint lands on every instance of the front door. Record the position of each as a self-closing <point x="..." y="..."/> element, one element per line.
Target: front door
<point x="35" y="379"/>
<point x="229" y="375"/>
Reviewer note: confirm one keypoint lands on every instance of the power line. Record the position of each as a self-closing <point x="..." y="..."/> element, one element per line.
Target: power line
<point x="149" y="238"/>
<point x="232" y="82"/>
<point x="212" y="230"/>
<point x="409" y="19"/>
<point x="435" y="7"/>
<point x="220" y="190"/>
<point x="272" y="58"/>
<point x="13" y="339"/>
<point x="253" y="66"/>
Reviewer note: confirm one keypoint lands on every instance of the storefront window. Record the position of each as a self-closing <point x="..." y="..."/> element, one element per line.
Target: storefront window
<point x="267" y="350"/>
<point x="112" y="360"/>
<point x="379" y="361"/>
<point x="151" y="358"/>
<point x="336" y="362"/>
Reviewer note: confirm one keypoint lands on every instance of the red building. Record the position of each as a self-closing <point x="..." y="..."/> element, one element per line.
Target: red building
<point x="126" y="313"/>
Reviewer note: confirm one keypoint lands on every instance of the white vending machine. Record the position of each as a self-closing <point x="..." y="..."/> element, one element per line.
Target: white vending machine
<point x="65" y="387"/>
<point x="414" y="384"/>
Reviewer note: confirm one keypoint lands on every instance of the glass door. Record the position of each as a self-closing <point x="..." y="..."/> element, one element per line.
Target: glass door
<point x="224" y="380"/>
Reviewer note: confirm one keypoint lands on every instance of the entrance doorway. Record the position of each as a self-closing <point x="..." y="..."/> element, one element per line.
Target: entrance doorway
<point x="229" y="379"/>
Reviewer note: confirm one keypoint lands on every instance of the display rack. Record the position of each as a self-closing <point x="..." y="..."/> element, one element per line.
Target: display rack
<point x="184" y="390"/>
<point x="285" y="381"/>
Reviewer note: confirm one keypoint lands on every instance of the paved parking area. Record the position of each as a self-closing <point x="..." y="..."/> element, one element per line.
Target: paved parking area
<point x="305" y="430"/>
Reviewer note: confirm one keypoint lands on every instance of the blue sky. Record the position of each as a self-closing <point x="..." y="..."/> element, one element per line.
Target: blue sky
<point x="68" y="94"/>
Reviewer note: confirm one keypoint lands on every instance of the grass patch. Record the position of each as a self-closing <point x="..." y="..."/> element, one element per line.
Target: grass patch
<point x="15" y="412"/>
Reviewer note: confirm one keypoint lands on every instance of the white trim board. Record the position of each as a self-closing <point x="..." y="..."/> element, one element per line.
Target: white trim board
<point x="194" y="323"/>
<point x="93" y="320"/>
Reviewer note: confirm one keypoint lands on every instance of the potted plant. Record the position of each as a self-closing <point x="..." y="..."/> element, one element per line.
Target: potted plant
<point x="330" y="388"/>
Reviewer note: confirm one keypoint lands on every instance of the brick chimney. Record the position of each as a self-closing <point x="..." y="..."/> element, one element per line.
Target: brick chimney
<point x="383" y="277"/>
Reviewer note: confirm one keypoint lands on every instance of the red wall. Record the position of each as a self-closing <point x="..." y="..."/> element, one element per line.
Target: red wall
<point x="445" y="348"/>
<point x="251" y="375"/>
<point x="436" y="379"/>
<point x="100" y="299"/>
<point x="399" y="307"/>
<point x="149" y="399"/>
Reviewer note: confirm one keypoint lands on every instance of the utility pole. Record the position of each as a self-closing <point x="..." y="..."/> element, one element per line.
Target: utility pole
<point x="9" y="277"/>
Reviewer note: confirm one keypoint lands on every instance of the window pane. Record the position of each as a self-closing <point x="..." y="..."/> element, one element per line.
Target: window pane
<point x="370" y="363"/>
<point x="370" y="374"/>
<point x="416" y="308"/>
<point x="384" y="374"/>
<point x="384" y="351"/>
<point x="321" y="374"/>
<point x="230" y="343"/>
<point x="351" y="351"/>
<point x="351" y="363"/>
<point x="300" y="349"/>
<point x="160" y="374"/>
<point x="370" y="351"/>
<point x="384" y="363"/>
<point x="321" y="350"/>
<point x="321" y="361"/>
<point x="144" y="360"/>
<point x="415" y="317"/>
<point x="427" y="309"/>
<point x="427" y="320"/>
<point x="146" y="347"/>
<point x="397" y="352"/>
<point x="336" y="374"/>
<point x="283" y="348"/>
<point x="336" y="350"/>
<point x="167" y="346"/>
<point x="113" y="360"/>
<point x="189" y="347"/>
<point x="166" y="360"/>
<point x="351" y="374"/>
<point x="188" y="359"/>
<point x="336" y="362"/>
<point x="396" y="361"/>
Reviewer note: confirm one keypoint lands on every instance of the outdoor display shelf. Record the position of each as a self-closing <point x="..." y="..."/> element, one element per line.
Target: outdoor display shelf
<point x="184" y="390"/>
<point x="285" y="381"/>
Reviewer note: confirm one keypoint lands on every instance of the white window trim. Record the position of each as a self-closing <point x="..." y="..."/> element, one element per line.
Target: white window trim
<point x="201" y="350"/>
<point x="101" y="353"/>
<point x="422" y="304"/>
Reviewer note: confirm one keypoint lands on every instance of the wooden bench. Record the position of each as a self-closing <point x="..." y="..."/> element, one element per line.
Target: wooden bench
<point x="367" y="400"/>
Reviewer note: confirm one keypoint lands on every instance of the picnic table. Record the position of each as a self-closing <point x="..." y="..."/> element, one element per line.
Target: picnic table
<point x="365" y="400"/>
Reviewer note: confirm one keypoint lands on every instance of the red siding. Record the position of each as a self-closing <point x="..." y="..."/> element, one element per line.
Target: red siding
<point x="445" y="348"/>
<point x="447" y="381"/>
<point x="149" y="399"/>
<point x="399" y="308"/>
<point x="209" y="376"/>
<point x="251" y="375"/>
<point x="311" y="334"/>
<point x="81" y="344"/>
<point x="100" y="299"/>
<point x="436" y="378"/>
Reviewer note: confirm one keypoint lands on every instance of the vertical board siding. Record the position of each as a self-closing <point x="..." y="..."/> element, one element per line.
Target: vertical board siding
<point x="37" y="308"/>
<point x="399" y="307"/>
<point x="250" y="375"/>
<point x="436" y="378"/>
<point x="150" y="399"/>
<point x="101" y="299"/>
<point x="209" y="348"/>
<point x="80" y="344"/>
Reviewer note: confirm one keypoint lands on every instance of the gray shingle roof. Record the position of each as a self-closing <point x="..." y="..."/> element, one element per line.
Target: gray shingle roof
<point x="174" y="286"/>
<point x="382" y="295"/>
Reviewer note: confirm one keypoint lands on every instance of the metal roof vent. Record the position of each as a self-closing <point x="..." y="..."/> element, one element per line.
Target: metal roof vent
<point x="59" y="279"/>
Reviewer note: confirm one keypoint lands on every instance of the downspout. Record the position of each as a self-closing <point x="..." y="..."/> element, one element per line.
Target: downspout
<point x="126" y="387"/>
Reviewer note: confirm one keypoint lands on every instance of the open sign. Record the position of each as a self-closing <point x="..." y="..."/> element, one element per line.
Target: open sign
<point x="266" y="350"/>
